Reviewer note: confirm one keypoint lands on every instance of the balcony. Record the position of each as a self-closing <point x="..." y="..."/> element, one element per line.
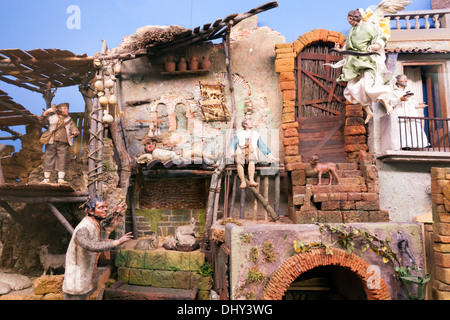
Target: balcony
<point x="426" y="26"/>
<point x="415" y="139"/>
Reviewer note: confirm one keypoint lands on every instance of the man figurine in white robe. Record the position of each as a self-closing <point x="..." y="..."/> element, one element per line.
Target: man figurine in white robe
<point x="404" y="104"/>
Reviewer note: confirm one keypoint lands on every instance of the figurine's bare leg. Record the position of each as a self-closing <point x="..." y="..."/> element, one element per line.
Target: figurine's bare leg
<point x="241" y="174"/>
<point x="251" y="174"/>
<point x="387" y="106"/>
<point x="369" y="114"/>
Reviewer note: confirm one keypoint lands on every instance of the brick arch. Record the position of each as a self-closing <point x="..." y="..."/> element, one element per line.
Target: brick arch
<point x="286" y="53"/>
<point x="317" y="35"/>
<point x="298" y="264"/>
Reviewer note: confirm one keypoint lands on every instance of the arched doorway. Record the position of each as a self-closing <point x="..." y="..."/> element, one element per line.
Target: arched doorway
<point x="327" y="268"/>
<point x="326" y="283"/>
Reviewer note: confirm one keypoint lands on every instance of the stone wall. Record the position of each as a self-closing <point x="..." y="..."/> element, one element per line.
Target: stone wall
<point x="440" y="193"/>
<point x="164" y="269"/>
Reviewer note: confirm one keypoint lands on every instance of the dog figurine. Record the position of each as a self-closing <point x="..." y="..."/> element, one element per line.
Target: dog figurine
<point x="321" y="168"/>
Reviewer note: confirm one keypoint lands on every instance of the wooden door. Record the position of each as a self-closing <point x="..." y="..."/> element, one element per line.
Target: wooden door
<point x="320" y="105"/>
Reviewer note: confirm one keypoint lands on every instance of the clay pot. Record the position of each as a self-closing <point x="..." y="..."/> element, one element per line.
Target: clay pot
<point x="193" y="63"/>
<point x="205" y="64"/>
<point x="169" y="64"/>
<point x="182" y="65"/>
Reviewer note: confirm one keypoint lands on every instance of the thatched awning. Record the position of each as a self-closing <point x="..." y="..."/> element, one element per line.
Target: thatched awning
<point x="157" y="39"/>
<point x="34" y="69"/>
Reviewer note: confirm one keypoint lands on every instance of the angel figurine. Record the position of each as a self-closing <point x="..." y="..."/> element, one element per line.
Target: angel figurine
<point x="363" y="66"/>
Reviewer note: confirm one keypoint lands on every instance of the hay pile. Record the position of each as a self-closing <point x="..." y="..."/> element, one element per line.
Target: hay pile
<point x="152" y="35"/>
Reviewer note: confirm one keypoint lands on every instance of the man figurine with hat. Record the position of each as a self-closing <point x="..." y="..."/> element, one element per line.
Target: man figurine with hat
<point x="63" y="130"/>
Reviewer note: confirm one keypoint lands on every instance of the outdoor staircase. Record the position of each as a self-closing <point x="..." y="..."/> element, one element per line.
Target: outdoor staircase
<point x="354" y="199"/>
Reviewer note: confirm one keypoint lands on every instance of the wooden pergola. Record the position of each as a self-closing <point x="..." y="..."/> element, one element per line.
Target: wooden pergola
<point x="41" y="71"/>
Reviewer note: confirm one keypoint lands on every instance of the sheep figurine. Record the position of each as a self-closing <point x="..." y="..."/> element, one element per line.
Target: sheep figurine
<point x="51" y="261"/>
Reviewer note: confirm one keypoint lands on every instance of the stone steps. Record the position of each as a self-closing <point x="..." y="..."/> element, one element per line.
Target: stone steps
<point x="354" y="199"/>
<point x="132" y="292"/>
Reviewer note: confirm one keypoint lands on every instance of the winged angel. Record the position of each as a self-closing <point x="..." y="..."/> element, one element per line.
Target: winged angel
<point x="363" y="67"/>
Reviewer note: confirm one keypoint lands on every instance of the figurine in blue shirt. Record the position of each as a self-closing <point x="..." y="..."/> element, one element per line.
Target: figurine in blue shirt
<point x="245" y="147"/>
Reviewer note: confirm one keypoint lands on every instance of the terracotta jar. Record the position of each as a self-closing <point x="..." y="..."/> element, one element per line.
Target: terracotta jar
<point x="169" y="64"/>
<point x="205" y="64"/>
<point x="193" y="63"/>
<point x="182" y="65"/>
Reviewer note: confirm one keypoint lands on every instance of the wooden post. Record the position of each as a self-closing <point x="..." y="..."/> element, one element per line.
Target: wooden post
<point x="266" y="195"/>
<point x="255" y="203"/>
<point x="133" y="211"/>
<point x="60" y="217"/>
<point x="17" y="217"/>
<point x="222" y="163"/>
<point x="276" y="205"/>
<point x="2" y="178"/>
<point x="264" y="202"/>
<point x="233" y="196"/>
<point x="242" y="208"/>
<point x="92" y="150"/>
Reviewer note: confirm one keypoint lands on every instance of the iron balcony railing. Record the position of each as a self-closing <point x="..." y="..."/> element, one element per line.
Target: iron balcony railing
<point x="424" y="134"/>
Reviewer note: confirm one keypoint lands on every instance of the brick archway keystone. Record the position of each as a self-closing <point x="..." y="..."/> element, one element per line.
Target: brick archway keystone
<point x="298" y="264"/>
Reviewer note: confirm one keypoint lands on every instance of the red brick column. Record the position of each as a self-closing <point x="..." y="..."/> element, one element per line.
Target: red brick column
<point x="440" y="195"/>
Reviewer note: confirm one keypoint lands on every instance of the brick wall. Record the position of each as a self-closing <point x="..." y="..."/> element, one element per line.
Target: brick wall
<point x="172" y="203"/>
<point x="440" y="195"/>
<point x="174" y="194"/>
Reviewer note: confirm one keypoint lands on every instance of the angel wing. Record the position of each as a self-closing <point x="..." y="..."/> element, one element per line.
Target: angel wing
<point x="388" y="6"/>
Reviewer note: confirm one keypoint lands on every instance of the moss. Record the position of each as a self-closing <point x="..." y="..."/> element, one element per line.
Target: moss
<point x="246" y="237"/>
<point x="267" y="249"/>
<point x="152" y="215"/>
<point x="202" y="219"/>
<point x="254" y="254"/>
<point x="254" y="275"/>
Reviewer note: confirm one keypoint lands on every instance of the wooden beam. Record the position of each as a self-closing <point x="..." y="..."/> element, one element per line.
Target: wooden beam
<point x="23" y="113"/>
<point x="60" y="217"/>
<point x="17" y="217"/>
<point x="330" y="133"/>
<point x="264" y="202"/>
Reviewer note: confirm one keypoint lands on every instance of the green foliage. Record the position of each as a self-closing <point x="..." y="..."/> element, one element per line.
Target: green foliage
<point x="206" y="270"/>
<point x="412" y="275"/>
